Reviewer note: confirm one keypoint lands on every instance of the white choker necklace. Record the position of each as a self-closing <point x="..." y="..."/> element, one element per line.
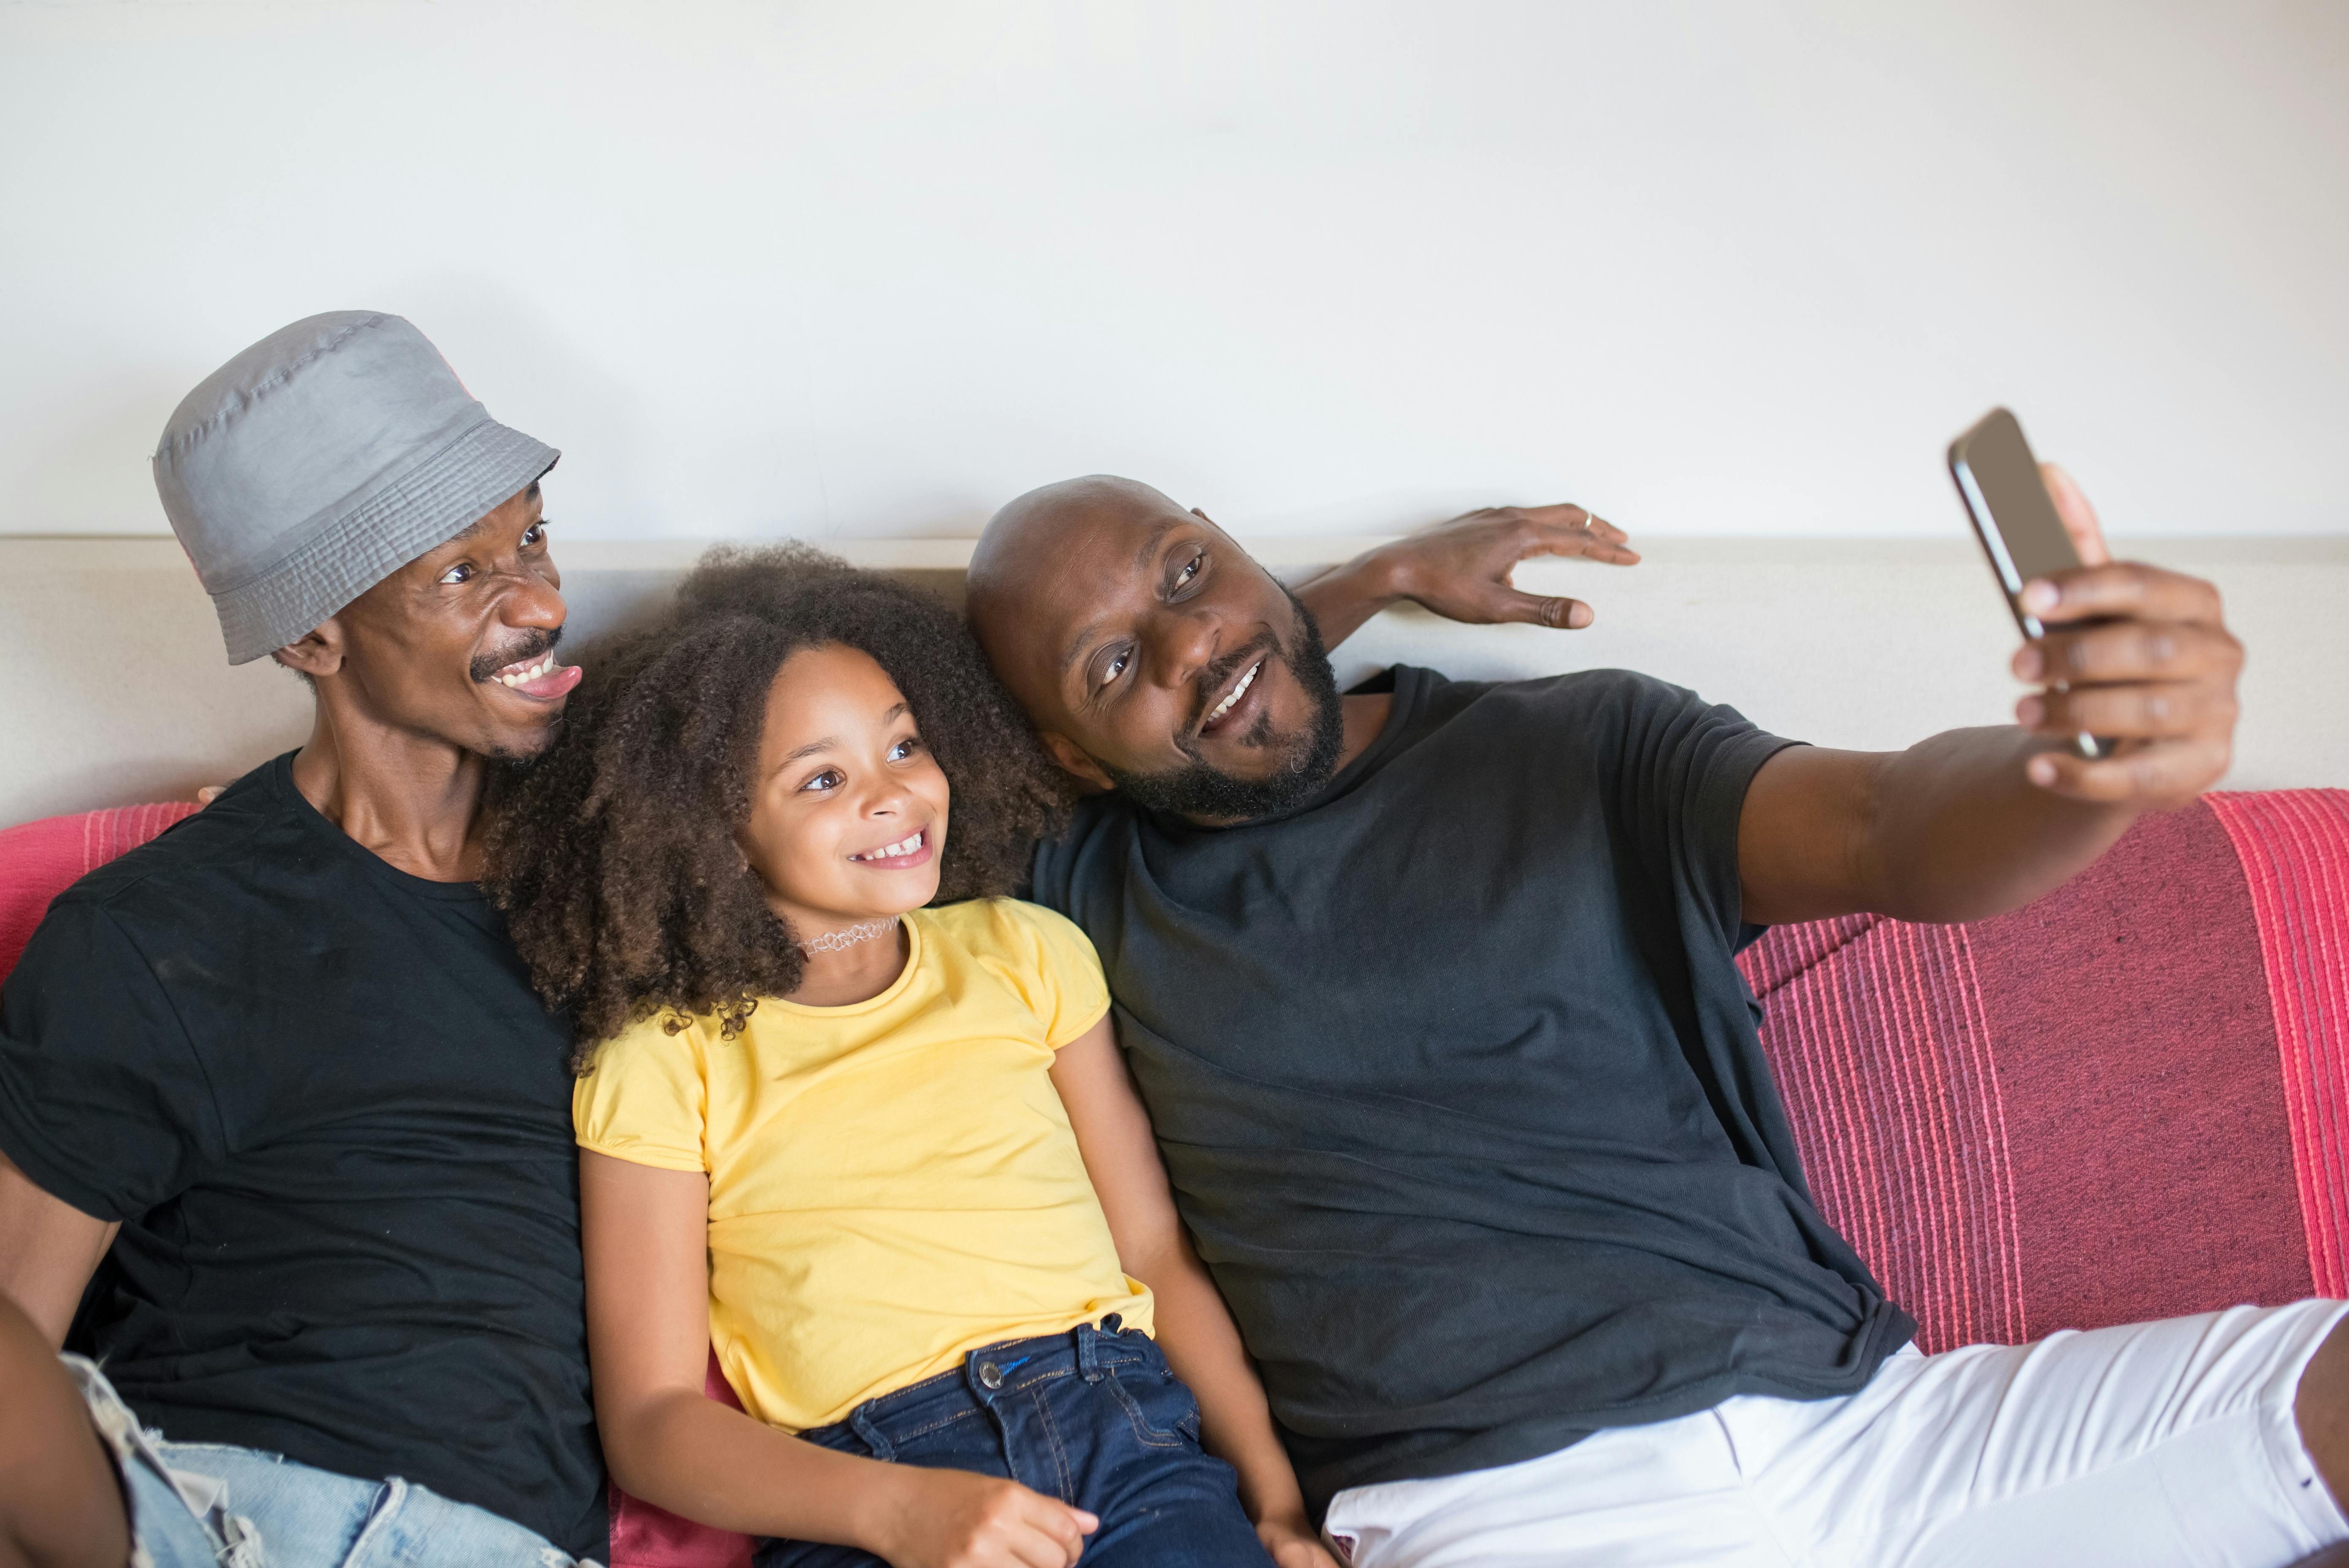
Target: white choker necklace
<point x="849" y="936"/>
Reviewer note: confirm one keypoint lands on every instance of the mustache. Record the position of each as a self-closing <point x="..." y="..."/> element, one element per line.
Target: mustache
<point x="528" y="645"/>
<point x="1217" y="676"/>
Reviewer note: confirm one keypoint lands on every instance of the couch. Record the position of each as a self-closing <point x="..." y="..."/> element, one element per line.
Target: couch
<point x="2129" y="1099"/>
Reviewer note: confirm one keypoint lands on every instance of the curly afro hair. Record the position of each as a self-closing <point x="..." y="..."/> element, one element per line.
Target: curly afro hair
<point x="614" y="854"/>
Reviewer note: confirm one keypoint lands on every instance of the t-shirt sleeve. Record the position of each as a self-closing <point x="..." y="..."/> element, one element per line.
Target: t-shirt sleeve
<point x="645" y="1100"/>
<point x="1053" y="967"/>
<point x="104" y="1102"/>
<point x="1685" y="767"/>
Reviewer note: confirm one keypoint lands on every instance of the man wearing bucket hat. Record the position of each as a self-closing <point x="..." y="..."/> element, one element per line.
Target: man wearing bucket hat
<point x="278" y="1078"/>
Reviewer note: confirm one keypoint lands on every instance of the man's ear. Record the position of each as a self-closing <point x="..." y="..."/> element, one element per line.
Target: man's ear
<point x="1071" y="758"/>
<point x="318" y="654"/>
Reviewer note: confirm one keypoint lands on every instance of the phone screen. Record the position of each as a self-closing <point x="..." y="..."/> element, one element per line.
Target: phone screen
<point x="2012" y="510"/>
<point x="2015" y="519"/>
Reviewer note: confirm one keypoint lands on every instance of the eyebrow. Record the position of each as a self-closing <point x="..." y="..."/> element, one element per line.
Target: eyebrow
<point x="1141" y="559"/>
<point x="1166" y="525"/>
<point x="830" y="741"/>
<point x="1077" y="645"/>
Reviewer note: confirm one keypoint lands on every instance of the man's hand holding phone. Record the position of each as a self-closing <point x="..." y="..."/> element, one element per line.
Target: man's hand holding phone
<point x="2132" y="654"/>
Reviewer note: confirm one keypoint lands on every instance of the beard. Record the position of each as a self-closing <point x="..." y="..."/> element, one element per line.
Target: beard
<point x="1201" y="791"/>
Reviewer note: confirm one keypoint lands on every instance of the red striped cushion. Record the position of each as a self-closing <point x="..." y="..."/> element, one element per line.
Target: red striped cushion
<point x="40" y="860"/>
<point x="1878" y="1034"/>
<point x="2124" y="1102"/>
<point x="2128" y="1101"/>
<point x="2295" y="847"/>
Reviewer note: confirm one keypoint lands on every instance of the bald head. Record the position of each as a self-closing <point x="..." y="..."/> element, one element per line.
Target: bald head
<point x="1028" y="531"/>
<point x="1151" y="652"/>
<point x="1021" y="563"/>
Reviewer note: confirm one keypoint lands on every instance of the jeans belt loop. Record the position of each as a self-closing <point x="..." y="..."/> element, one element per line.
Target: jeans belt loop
<point x="861" y="1423"/>
<point x="1089" y="1339"/>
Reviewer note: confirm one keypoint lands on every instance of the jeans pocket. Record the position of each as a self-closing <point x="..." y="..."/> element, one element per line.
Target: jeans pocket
<point x="1162" y="1411"/>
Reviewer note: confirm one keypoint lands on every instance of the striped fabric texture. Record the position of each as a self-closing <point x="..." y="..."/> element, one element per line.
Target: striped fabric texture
<point x="1882" y="1047"/>
<point x="2127" y="1101"/>
<point x="2295" y="849"/>
<point x="40" y="860"/>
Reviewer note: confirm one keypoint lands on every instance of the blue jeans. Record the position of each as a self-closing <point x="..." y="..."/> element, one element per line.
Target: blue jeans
<point x="208" y="1505"/>
<point x="1093" y="1417"/>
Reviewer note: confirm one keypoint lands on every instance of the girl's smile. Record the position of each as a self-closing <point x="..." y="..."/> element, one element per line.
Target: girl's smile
<point x="903" y="855"/>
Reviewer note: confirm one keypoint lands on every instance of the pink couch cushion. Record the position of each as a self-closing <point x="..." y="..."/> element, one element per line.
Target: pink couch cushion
<point x="2295" y="845"/>
<point x="40" y="860"/>
<point x="2127" y="1101"/>
<point x="2119" y="1103"/>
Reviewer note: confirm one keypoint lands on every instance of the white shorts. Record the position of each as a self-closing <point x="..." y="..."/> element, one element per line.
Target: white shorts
<point x="2157" y="1443"/>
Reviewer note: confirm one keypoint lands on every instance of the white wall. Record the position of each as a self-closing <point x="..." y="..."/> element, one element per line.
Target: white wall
<point x="866" y="269"/>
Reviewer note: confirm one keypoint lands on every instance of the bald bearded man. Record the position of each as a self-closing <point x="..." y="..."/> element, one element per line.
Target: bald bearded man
<point x="1429" y="989"/>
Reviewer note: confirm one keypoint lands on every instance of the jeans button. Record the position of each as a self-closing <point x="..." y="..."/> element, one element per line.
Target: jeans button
<point x="991" y="1376"/>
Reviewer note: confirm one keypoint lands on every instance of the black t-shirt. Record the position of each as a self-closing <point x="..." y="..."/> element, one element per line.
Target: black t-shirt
<point x="1459" y="1087"/>
<point x="335" y="1125"/>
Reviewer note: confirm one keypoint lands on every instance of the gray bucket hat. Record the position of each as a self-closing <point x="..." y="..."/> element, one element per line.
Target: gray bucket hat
<point x="321" y="460"/>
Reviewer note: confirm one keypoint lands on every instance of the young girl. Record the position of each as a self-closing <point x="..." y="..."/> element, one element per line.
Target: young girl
<point x="875" y="1145"/>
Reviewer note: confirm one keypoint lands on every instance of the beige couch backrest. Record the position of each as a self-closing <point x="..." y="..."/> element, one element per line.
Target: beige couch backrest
<point x="115" y="689"/>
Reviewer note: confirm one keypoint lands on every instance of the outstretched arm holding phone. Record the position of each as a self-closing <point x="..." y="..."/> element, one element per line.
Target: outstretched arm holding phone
<point x="1973" y="822"/>
<point x="1959" y="826"/>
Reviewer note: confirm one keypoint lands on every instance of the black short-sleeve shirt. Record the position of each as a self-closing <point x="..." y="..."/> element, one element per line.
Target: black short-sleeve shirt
<point x="1460" y="1089"/>
<point x="335" y="1125"/>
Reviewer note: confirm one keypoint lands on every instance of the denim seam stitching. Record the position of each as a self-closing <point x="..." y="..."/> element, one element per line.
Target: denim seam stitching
<point x="896" y="1439"/>
<point x="1144" y="1432"/>
<point x="1037" y="1379"/>
<point x="1067" y="1491"/>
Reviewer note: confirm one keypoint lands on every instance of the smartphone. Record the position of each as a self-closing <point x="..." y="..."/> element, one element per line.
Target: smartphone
<point x="2016" y="520"/>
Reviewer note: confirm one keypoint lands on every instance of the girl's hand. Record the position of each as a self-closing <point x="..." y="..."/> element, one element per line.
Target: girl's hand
<point x="954" y="1519"/>
<point x="1293" y="1544"/>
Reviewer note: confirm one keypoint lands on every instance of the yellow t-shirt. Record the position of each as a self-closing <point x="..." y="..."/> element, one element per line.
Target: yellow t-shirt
<point x="892" y="1184"/>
